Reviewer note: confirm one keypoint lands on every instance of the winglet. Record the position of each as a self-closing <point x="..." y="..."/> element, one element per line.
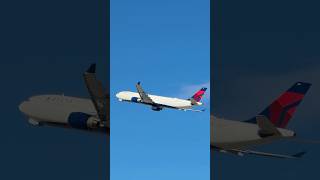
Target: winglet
<point x="299" y="155"/>
<point x="92" y="68"/>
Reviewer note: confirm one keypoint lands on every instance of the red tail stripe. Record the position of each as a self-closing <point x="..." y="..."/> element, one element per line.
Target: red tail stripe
<point x="289" y="97"/>
<point x="275" y="111"/>
<point x="286" y="120"/>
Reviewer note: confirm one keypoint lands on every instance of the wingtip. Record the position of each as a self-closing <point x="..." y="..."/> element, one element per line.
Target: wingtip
<point x="92" y="68"/>
<point x="299" y="155"/>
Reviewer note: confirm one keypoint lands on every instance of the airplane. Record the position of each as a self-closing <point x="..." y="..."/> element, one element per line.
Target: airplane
<point x="157" y="103"/>
<point x="236" y="137"/>
<point x="72" y="112"/>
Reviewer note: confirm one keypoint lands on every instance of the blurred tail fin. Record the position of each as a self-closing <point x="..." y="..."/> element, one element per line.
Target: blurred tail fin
<point x="282" y="109"/>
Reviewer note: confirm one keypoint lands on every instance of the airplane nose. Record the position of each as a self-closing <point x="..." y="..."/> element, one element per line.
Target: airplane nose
<point x="118" y="95"/>
<point x="24" y="107"/>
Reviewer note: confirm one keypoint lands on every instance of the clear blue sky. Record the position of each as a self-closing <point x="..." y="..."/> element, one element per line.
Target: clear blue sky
<point x="165" y="45"/>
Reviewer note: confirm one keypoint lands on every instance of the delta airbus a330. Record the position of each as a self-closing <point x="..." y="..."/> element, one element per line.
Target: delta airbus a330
<point x="157" y="103"/>
<point x="71" y="112"/>
<point x="270" y="125"/>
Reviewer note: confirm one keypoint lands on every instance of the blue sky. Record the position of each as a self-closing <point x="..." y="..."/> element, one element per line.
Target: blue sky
<point x="165" y="45"/>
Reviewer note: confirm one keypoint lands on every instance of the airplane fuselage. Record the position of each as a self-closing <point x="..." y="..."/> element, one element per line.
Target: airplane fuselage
<point x="63" y="111"/>
<point x="229" y="134"/>
<point x="160" y="100"/>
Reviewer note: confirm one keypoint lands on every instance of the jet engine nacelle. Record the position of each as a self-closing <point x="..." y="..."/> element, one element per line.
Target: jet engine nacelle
<point x="81" y="120"/>
<point x="135" y="99"/>
<point x="93" y="122"/>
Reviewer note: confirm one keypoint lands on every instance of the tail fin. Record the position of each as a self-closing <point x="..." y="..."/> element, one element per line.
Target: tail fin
<point x="282" y="109"/>
<point x="199" y="94"/>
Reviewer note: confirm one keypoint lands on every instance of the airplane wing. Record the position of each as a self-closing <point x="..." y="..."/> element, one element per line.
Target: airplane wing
<point x="259" y="153"/>
<point x="98" y="95"/>
<point x="144" y="97"/>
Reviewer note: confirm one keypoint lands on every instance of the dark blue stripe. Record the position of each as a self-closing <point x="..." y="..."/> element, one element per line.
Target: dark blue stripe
<point x="300" y="87"/>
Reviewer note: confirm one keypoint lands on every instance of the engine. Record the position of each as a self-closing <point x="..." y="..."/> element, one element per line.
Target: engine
<point x="135" y="99"/>
<point x="81" y="120"/>
<point x="156" y="108"/>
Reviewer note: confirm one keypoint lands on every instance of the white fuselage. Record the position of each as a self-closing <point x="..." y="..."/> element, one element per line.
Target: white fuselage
<point x="56" y="110"/>
<point x="160" y="100"/>
<point x="228" y="134"/>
